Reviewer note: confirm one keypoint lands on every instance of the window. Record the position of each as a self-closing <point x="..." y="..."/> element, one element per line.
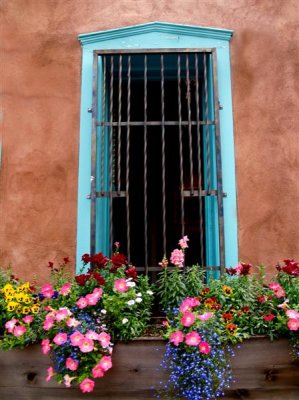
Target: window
<point x="155" y="154"/>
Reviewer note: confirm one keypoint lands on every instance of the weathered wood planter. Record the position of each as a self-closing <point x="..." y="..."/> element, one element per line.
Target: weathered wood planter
<point x="262" y="370"/>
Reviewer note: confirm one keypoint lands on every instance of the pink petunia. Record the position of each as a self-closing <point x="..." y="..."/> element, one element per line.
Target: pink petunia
<point x="19" y="330"/>
<point x="104" y="338"/>
<point x="86" y="345"/>
<point x="176" y="337"/>
<point x="46" y="347"/>
<point x="97" y="371"/>
<point x="106" y="363"/>
<point x="292" y="314"/>
<point x="87" y="385"/>
<point x="76" y="338"/>
<point x="98" y="292"/>
<point x="72" y="322"/>
<point x="82" y="303"/>
<point x="71" y="364"/>
<point x="50" y="371"/>
<point x="48" y="323"/>
<point x="204" y="347"/>
<point x="205" y="316"/>
<point x="9" y="325"/>
<point x="92" y="335"/>
<point x="177" y="258"/>
<point x="293" y="324"/>
<point x="121" y="285"/>
<point x="92" y="299"/>
<point x="62" y="314"/>
<point x="268" y="317"/>
<point x="65" y="289"/>
<point x="47" y="290"/>
<point x="188" y="318"/>
<point x="60" y="338"/>
<point x="188" y="304"/>
<point x="192" y="338"/>
<point x="28" y="319"/>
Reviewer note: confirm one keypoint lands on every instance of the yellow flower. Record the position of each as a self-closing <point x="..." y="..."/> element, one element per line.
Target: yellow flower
<point x="227" y="290"/>
<point x="12" y="305"/>
<point x="20" y="297"/>
<point x="27" y="299"/>
<point x="26" y="310"/>
<point x="35" y="308"/>
<point x="9" y="298"/>
<point x="8" y="288"/>
<point x="24" y="288"/>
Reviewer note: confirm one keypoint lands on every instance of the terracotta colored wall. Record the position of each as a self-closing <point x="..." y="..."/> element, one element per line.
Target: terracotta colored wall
<point x="40" y="118"/>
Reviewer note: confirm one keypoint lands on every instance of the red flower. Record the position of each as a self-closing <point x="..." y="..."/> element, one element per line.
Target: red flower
<point x="261" y="299"/>
<point x="268" y="317"/>
<point x="82" y="279"/>
<point x="86" y="258"/>
<point x="227" y="316"/>
<point x="50" y="264"/>
<point x="205" y="291"/>
<point x="231" y="271"/>
<point x="118" y="260"/>
<point x="245" y="269"/>
<point x="66" y="260"/>
<point x="98" y="277"/>
<point x="245" y="309"/>
<point x="232" y="329"/>
<point x="99" y="260"/>
<point x="291" y="267"/>
<point x="131" y="272"/>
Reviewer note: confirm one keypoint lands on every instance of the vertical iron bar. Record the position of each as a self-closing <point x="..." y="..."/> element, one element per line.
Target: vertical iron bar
<point x="128" y="158"/>
<point x="119" y="123"/>
<point x="103" y="127"/>
<point x="199" y="162"/>
<point x="111" y="151"/>
<point x="163" y="154"/>
<point x="181" y="148"/>
<point x="218" y="166"/>
<point x="145" y="167"/>
<point x="207" y="127"/>
<point x="93" y="155"/>
<point x="189" y="124"/>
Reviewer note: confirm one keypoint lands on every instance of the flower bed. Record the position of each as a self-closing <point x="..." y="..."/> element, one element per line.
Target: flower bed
<point x="262" y="370"/>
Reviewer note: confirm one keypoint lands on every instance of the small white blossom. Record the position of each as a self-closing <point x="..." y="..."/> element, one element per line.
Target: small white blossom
<point x="138" y="300"/>
<point x="139" y="294"/>
<point x="125" y="320"/>
<point x="149" y="292"/>
<point x="131" y="284"/>
<point x="103" y="311"/>
<point x="131" y="302"/>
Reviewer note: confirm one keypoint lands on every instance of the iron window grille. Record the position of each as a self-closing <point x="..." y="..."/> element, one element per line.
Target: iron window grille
<point x="156" y="155"/>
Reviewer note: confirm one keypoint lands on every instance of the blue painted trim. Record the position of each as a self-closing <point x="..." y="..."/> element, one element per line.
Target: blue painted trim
<point x="159" y="35"/>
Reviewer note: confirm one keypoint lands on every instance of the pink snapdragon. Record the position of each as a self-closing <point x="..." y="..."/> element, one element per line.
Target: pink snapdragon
<point x="97" y="371"/>
<point x="47" y="290"/>
<point x="183" y="242"/>
<point x="76" y="338"/>
<point x="192" y="338"/>
<point x="86" y="345"/>
<point x="87" y="385"/>
<point x="50" y="371"/>
<point x="46" y="347"/>
<point x="188" y="318"/>
<point x="65" y="289"/>
<point x="293" y="324"/>
<point x="188" y="304"/>
<point x="9" y="325"/>
<point x="28" y="319"/>
<point x="177" y="258"/>
<point x="176" y="337"/>
<point x="71" y="364"/>
<point x="82" y="303"/>
<point x="19" y="330"/>
<point x="60" y="338"/>
<point x="106" y="363"/>
<point x="204" y="347"/>
<point x="205" y="316"/>
<point x="121" y="285"/>
<point x="104" y="338"/>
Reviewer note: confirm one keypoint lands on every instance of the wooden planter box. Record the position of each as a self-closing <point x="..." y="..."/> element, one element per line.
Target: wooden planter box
<point x="262" y="370"/>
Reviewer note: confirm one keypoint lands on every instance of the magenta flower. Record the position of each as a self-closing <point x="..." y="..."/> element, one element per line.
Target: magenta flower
<point x="205" y="316"/>
<point x="176" y="337"/>
<point x="177" y="258"/>
<point x="9" y="325"/>
<point x="204" y="347"/>
<point x="87" y="385"/>
<point x="65" y="289"/>
<point x="104" y="338"/>
<point x="47" y="290"/>
<point x="28" y="319"/>
<point x="183" y="242"/>
<point x="189" y="303"/>
<point x="46" y="347"/>
<point x="19" y="330"/>
<point x="188" y="318"/>
<point x="48" y="323"/>
<point x="292" y="314"/>
<point x="82" y="303"/>
<point x="121" y="285"/>
<point x="76" y="338"/>
<point x="106" y="363"/>
<point x="97" y="371"/>
<point x="71" y="364"/>
<point x="192" y="338"/>
<point x="98" y="292"/>
<point x="268" y="317"/>
<point x="86" y="345"/>
<point x="50" y="374"/>
<point x="92" y="299"/>
<point x="60" y="338"/>
<point x="293" y="324"/>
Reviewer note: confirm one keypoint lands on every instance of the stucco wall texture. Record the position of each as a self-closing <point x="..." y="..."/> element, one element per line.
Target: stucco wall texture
<point x="40" y="83"/>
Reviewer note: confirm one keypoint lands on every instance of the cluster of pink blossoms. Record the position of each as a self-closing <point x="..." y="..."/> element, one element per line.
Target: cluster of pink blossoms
<point x="277" y="289"/>
<point x="293" y="322"/>
<point x="16" y="327"/>
<point x="90" y="299"/>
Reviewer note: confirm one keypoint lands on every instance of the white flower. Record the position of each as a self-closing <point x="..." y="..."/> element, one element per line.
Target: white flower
<point x="131" y="302"/>
<point x="103" y="311"/>
<point x="138" y="300"/>
<point x="125" y="320"/>
<point x="139" y="294"/>
<point x="131" y="284"/>
<point x="149" y="292"/>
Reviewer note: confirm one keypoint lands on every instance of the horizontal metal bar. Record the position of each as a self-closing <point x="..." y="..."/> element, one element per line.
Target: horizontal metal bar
<point x="202" y="193"/>
<point x="120" y="193"/>
<point x="153" y="51"/>
<point x="158" y="268"/>
<point x="155" y="123"/>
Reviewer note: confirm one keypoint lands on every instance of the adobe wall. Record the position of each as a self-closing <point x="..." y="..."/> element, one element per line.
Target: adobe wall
<point x="40" y="119"/>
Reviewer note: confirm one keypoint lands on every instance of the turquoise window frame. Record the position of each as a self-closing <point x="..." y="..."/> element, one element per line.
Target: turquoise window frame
<point x="161" y="35"/>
